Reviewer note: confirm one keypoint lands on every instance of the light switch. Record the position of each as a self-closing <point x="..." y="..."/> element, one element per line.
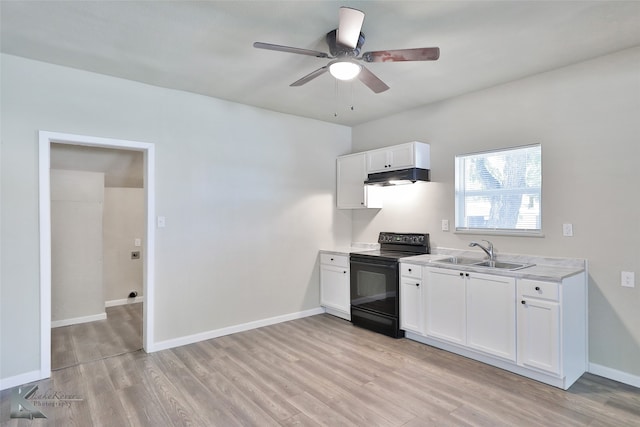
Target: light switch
<point x="628" y="279"/>
<point x="137" y="242"/>
<point x="161" y="222"/>
<point x="567" y="230"/>
<point x="445" y="225"/>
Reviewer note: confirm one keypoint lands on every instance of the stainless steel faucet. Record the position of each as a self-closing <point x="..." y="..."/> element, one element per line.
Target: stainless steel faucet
<point x="488" y="249"/>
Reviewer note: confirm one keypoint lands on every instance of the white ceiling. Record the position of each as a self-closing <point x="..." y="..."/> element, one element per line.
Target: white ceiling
<point x="205" y="47"/>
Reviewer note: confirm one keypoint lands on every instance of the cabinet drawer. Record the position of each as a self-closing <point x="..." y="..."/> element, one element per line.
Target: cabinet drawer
<point x="536" y="289"/>
<point x="337" y="260"/>
<point x="411" y="270"/>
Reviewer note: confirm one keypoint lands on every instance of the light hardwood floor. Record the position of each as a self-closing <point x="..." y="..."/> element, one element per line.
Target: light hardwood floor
<point x="320" y="371"/>
<point x="121" y="332"/>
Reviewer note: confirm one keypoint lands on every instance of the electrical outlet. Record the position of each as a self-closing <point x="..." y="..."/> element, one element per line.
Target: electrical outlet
<point x="628" y="279"/>
<point x="162" y="222"/>
<point x="567" y="230"/>
<point x="445" y="225"/>
<point x="135" y="255"/>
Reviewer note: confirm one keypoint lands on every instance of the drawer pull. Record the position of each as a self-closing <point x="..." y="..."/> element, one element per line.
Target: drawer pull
<point x="523" y="302"/>
<point x="417" y="284"/>
<point x="537" y="288"/>
<point x="409" y="270"/>
<point x="331" y="259"/>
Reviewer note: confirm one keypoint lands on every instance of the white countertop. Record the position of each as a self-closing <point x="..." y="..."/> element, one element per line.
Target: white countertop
<point x="543" y="268"/>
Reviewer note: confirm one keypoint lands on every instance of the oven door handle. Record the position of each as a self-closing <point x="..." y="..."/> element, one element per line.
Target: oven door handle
<point x="372" y="264"/>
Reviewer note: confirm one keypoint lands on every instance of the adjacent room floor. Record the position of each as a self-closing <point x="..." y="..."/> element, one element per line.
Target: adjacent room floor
<point x="120" y="333"/>
<point x="319" y="371"/>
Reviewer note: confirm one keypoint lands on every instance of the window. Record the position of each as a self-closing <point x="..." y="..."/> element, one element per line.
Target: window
<point x="500" y="191"/>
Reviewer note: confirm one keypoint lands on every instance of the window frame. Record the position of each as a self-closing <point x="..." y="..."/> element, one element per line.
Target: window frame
<point x="459" y="196"/>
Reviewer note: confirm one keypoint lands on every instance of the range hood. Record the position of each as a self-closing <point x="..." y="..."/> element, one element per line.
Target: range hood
<point x="397" y="177"/>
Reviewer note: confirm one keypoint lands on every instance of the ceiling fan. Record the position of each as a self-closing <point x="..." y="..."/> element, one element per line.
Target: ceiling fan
<point x="344" y="44"/>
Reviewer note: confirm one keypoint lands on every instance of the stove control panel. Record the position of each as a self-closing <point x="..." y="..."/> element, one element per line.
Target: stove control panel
<point x="403" y="238"/>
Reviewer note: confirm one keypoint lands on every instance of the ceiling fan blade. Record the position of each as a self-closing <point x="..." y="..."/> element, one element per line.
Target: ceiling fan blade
<point x="372" y="81"/>
<point x="289" y="49"/>
<point x="350" y="25"/>
<point x="310" y="76"/>
<point x="418" y="54"/>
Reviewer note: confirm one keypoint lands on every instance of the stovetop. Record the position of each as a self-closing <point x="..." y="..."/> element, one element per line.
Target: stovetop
<point x="386" y="254"/>
<point x="394" y="246"/>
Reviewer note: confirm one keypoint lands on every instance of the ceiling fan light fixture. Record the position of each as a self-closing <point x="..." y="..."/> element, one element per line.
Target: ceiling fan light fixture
<point x="344" y="70"/>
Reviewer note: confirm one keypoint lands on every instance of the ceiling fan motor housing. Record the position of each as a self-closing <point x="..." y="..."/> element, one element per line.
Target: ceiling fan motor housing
<point x="338" y="50"/>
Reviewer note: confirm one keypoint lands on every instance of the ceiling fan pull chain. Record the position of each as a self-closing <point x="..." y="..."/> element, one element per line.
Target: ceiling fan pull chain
<point x="352" y="96"/>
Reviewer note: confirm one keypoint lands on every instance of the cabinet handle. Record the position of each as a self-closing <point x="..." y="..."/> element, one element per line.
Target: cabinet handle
<point x="409" y="270"/>
<point x="331" y="259"/>
<point x="523" y="302"/>
<point x="461" y="274"/>
<point x="344" y="272"/>
<point x="417" y="284"/>
<point x="537" y="288"/>
<point x="467" y="274"/>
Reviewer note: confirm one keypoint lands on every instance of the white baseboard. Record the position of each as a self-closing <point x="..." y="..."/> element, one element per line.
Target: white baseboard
<point x="203" y="336"/>
<point x="124" y="301"/>
<point x="614" y="374"/>
<point x="17" y="380"/>
<point x="76" y="320"/>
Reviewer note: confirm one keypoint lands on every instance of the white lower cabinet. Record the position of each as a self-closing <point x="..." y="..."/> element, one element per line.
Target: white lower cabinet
<point x="445" y="305"/>
<point x="534" y="328"/>
<point x="411" y="300"/>
<point x="472" y="309"/>
<point x="491" y="315"/>
<point x="335" y="295"/>
<point x="539" y="326"/>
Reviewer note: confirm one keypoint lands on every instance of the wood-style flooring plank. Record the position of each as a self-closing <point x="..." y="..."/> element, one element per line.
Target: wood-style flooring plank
<point x="256" y="389"/>
<point x="318" y="411"/>
<point x="318" y="371"/>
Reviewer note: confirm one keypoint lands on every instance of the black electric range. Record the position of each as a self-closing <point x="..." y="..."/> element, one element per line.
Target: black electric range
<point x="375" y="281"/>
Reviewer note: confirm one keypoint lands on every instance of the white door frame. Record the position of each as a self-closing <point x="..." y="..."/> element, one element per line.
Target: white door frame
<point x="148" y="149"/>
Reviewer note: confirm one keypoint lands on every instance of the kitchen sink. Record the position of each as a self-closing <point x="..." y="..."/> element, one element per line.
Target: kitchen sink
<point x="474" y="262"/>
<point x="459" y="260"/>
<point x="501" y="265"/>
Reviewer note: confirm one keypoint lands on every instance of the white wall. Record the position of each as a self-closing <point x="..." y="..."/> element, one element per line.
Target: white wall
<point x="124" y="217"/>
<point x="76" y="246"/>
<point x="248" y="196"/>
<point x="587" y="118"/>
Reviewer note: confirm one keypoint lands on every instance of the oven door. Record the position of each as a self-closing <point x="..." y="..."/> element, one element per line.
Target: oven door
<point x="374" y="285"/>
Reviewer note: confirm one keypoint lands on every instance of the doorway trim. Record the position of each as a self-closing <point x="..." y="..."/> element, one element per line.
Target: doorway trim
<point x="45" y="140"/>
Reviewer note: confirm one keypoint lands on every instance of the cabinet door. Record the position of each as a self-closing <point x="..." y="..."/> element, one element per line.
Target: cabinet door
<point x="539" y="334"/>
<point x="378" y="161"/>
<point x="411" y="305"/>
<point x="334" y="288"/>
<point x="401" y="157"/>
<point x="445" y="305"/>
<point x="491" y="314"/>
<point x="351" y="193"/>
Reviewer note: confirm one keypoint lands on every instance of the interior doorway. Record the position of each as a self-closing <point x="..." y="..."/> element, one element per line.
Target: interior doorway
<point x="46" y="139"/>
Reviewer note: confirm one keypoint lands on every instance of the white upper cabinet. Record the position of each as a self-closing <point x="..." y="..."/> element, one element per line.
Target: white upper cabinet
<point x="351" y="191"/>
<point x="409" y="155"/>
